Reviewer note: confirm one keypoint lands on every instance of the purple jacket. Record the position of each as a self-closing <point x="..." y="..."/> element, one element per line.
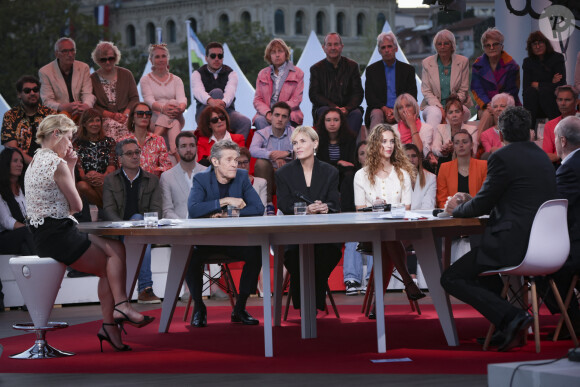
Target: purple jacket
<point x="484" y="84"/>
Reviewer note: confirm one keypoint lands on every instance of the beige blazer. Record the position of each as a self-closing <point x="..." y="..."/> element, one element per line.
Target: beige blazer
<point x="431" y="87"/>
<point x="175" y="191"/>
<point x="53" y="87"/>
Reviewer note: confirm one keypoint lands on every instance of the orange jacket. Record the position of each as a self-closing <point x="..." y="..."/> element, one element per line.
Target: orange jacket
<point x="447" y="179"/>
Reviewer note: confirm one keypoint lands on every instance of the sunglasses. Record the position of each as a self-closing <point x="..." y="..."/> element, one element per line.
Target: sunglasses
<point x="143" y="113"/>
<point x="132" y="153"/>
<point x="215" y="120"/>
<point x="220" y="56"/>
<point x="109" y="59"/>
<point x="27" y="90"/>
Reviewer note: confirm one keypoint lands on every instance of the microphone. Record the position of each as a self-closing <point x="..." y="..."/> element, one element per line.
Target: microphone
<point x="302" y="197"/>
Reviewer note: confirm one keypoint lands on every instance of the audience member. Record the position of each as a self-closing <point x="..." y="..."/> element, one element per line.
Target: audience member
<point x="385" y="80"/>
<point x="51" y="197"/>
<point x="21" y="122"/>
<point x="494" y="72"/>
<point x="386" y="178"/>
<point x="223" y="184"/>
<point x="114" y="88"/>
<point x="214" y="85"/>
<point x="96" y="157"/>
<point x="544" y="70"/>
<point x="128" y="193"/>
<point x="65" y="83"/>
<point x="213" y="125"/>
<point x="272" y="148"/>
<point x="566" y="100"/>
<point x="409" y="126"/>
<point x="462" y="174"/>
<point x="176" y="182"/>
<point x="309" y="180"/>
<point x="336" y="147"/>
<point x="154" y="156"/>
<point x="491" y="138"/>
<point x="520" y="178"/>
<point x="259" y="184"/>
<point x="444" y="74"/>
<point x="335" y="82"/>
<point x="424" y="183"/>
<point x="165" y="95"/>
<point x="281" y="81"/>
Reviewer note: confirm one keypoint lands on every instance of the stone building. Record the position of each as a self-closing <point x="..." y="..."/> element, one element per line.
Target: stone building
<point x="358" y="21"/>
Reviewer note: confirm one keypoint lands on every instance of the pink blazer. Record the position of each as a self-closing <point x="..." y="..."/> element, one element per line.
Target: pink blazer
<point x="291" y="92"/>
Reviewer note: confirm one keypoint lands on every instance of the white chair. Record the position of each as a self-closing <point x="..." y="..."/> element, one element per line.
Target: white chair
<point x="39" y="280"/>
<point x="548" y="249"/>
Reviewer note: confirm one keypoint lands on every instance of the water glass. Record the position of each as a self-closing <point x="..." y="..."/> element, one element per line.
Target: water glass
<point x="151" y="219"/>
<point x="233" y="211"/>
<point x="300" y="208"/>
<point x="398" y="210"/>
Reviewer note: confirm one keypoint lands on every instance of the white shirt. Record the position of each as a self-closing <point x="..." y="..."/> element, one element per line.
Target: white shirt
<point x="7" y="222"/>
<point x="424" y="198"/>
<point x="388" y="189"/>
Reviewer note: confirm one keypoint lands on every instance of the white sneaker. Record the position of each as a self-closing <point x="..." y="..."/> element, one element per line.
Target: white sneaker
<point x="351" y="288"/>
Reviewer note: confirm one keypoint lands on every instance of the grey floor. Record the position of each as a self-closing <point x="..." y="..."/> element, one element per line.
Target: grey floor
<point x="85" y="313"/>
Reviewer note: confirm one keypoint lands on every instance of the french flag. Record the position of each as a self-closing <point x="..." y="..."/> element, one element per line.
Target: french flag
<point x="102" y="15"/>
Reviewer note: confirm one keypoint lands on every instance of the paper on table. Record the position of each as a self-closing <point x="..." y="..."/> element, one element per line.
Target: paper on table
<point x="410" y="215"/>
<point x="403" y="359"/>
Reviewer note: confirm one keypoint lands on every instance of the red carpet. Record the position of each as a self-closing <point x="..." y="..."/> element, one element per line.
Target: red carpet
<point x="344" y="346"/>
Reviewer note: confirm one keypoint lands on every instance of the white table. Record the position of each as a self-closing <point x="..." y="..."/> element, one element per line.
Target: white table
<point x="305" y="231"/>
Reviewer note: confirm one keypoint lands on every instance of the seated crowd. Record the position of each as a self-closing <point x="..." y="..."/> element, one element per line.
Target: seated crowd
<point x="136" y="156"/>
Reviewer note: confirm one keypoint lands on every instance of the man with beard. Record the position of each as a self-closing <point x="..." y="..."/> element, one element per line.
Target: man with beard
<point x="176" y="183"/>
<point x="21" y="122"/>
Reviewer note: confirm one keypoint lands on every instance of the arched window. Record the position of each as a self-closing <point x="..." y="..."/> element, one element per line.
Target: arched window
<point x="340" y="27"/>
<point x="360" y="24"/>
<point x="299" y="23"/>
<point x="224" y="22"/>
<point x="150" y="31"/>
<point x="171" y="32"/>
<point x="130" y="33"/>
<point x="246" y="21"/>
<point x="279" y="27"/>
<point x="320" y="23"/>
<point x="193" y="24"/>
<point x="380" y="22"/>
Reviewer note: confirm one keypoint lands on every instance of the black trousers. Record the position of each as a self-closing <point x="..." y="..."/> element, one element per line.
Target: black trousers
<point x="251" y="255"/>
<point x="326" y="257"/>
<point x="462" y="281"/>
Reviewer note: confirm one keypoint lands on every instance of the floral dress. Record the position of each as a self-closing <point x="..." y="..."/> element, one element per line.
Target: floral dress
<point x="112" y="128"/>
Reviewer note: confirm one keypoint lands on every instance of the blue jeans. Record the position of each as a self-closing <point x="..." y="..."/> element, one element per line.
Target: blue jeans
<point x="352" y="265"/>
<point x="145" y="279"/>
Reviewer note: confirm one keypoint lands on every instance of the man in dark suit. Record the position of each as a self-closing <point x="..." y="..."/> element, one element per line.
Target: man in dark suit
<point x="385" y="80"/>
<point x="335" y="82"/>
<point x="520" y="177"/>
<point x="219" y="186"/>
<point x="567" y="141"/>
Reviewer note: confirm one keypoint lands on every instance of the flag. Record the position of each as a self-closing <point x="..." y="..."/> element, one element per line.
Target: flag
<point x="195" y="52"/>
<point x="102" y="15"/>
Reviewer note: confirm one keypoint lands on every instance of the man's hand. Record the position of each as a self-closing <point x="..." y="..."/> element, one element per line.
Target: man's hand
<point x="229" y="201"/>
<point x="216" y="103"/>
<point x="317" y="208"/>
<point x="389" y="114"/>
<point x="456" y="200"/>
<point x="557" y="78"/>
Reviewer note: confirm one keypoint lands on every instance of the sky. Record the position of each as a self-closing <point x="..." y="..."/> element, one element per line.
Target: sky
<point x="409" y="3"/>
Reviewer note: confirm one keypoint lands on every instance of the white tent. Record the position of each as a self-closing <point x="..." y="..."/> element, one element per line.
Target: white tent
<point x="312" y="53"/>
<point x="245" y="92"/>
<point x="145" y="72"/>
<point x="401" y="57"/>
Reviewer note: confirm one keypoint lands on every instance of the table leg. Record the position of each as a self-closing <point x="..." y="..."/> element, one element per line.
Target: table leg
<point x="268" y="346"/>
<point x="278" y="283"/>
<point x="178" y="261"/>
<point x="379" y="294"/>
<point x="307" y="293"/>
<point x="431" y="266"/>
<point x="134" y="256"/>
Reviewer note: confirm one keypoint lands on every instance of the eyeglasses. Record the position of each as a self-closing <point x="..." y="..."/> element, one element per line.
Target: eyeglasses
<point x="68" y="51"/>
<point x="445" y="43"/>
<point x="220" y="56"/>
<point x="215" y="120"/>
<point x="494" y="45"/>
<point x="132" y="153"/>
<point x="109" y="59"/>
<point x="27" y="90"/>
<point x="143" y="113"/>
<point x="240" y="163"/>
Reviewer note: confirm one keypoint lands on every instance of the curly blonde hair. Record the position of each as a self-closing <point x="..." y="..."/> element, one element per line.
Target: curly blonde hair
<point x="374" y="160"/>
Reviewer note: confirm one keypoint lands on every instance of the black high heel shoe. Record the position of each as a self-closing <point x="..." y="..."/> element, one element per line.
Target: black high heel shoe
<point x="106" y="337"/>
<point x="125" y="319"/>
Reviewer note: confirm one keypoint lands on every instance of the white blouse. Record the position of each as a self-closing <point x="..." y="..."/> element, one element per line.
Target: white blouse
<point x="388" y="189"/>
<point x="7" y="222"/>
<point x="424" y="198"/>
<point x="43" y="197"/>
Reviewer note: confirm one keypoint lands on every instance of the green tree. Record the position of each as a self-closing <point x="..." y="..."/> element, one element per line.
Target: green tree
<point x="29" y="29"/>
<point x="247" y="43"/>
